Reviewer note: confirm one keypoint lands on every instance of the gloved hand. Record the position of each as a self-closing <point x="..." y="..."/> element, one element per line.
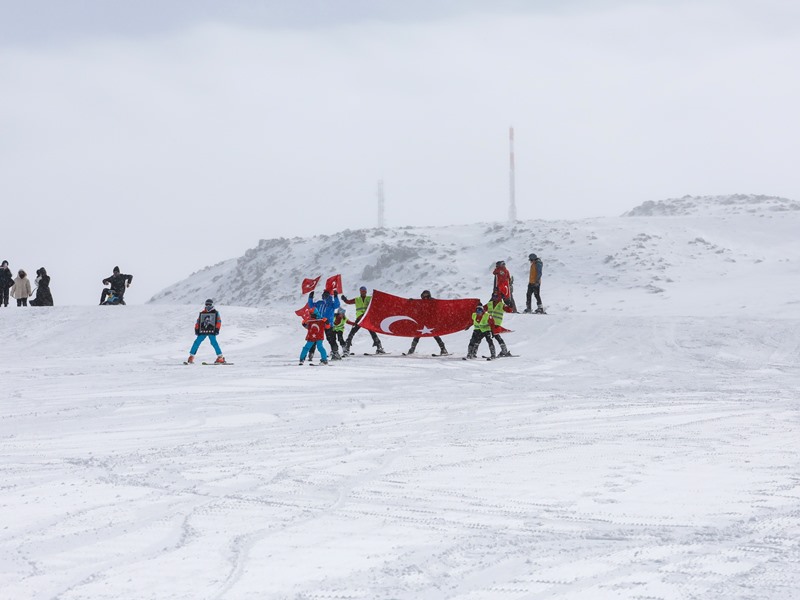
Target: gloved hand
<point x="344" y="297"/>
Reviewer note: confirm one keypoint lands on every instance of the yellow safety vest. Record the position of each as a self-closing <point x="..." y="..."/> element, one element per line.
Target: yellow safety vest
<point x="482" y="323"/>
<point x="495" y="310"/>
<point x="362" y="304"/>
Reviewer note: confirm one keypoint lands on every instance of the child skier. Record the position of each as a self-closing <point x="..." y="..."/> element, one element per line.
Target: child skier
<point x="208" y="325"/>
<point x="339" y="321"/>
<point x="482" y="328"/>
<point x="316" y="327"/>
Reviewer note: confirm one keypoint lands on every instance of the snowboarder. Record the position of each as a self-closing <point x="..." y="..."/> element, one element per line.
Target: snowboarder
<point x="426" y="295"/>
<point x="534" y="285"/>
<point x="327" y="308"/>
<point x="44" y="296"/>
<point x="362" y="302"/>
<point x="21" y="290"/>
<point x="119" y="282"/>
<point x="316" y="328"/>
<point x="208" y="325"/>
<point x="495" y="309"/>
<point x="6" y="281"/>
<point x="482" y="329"/>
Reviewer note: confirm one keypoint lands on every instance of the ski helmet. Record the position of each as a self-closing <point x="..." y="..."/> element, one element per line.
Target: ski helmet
<point x="500" y="263"/>
<point x="479" y="309"/>
<point x="209" y="302"/>
<point x="425" y="294"/>
<point x="532" y="256"/>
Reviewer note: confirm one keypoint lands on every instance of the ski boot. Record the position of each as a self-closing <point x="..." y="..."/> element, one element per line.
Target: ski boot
<point x="539" y="311"/>
<point x="336" y="356"/>
<point x="410" y="351"/>
<point x="220" y="360"/>
<point x="301" y="363"/>
<point x="527" y="311"/>
<point x="323" y="362"/>
<point x="190" y="360"/>
<point x="380" y="350"/>
<point x="346" y="349"/>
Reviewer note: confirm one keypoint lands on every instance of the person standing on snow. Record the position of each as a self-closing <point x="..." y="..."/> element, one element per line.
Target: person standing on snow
<point x="316" y="328"/>
<point x="502" y="281"/>
<point x="426" y="295"/>
<point x="362" y="302"/>
<point x="6" y="281"/>
<point x="534" y="285"/>
<point x="119" y="282"/>
<point x="495" y="309"/>
<point x="21" y="290"/>
<point x="208" y="325"/>
<point x="327" y="309"/>
<point x="481" y="329"/>
<point x="339" y="321"/>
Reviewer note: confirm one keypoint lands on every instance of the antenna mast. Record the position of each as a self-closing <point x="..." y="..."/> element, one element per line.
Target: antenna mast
<point x="381" y="206"/>
<point x="512" y="201"/>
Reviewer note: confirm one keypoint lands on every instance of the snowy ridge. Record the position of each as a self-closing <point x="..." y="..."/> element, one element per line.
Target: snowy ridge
<point x="736" y="204"/>
<point x="692" y="263"/>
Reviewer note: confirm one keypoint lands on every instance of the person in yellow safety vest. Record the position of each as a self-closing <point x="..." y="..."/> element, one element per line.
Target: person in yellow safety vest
<point x="482" y="329"/>
<point x="362" y="302"/>
<point x="495" y="309"/>
<point x="339" y="321"/>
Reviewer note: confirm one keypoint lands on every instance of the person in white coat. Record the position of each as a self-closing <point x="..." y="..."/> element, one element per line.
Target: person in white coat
<point x="21" y="290"/>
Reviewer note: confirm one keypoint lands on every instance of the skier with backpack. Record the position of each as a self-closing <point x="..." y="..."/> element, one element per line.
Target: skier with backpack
<point x="208" y="326"/>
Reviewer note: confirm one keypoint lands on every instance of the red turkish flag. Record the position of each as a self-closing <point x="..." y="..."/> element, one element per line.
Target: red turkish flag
<point x="334" y="284"/>
<point x="405" y="317"/>
<point x="310" y="284"/>
<point x="305" y="312"/>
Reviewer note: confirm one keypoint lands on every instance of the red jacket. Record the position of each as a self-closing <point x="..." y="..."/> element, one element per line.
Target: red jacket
<point x="316" y="329"/>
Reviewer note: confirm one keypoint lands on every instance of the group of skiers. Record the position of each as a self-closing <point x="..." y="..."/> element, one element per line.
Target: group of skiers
<point x="326" y="319"/>
<point x="19" y="288"/>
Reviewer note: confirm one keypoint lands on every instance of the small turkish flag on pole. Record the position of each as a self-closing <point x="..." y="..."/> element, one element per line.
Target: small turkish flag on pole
<point x="310" y="284"/>
<point x="334" y="284"/>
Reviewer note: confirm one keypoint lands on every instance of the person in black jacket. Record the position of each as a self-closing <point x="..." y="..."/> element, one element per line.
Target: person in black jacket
<point x="119" y="282"/>
<point x="6" y="281"/>
<point x="44" y="296"/>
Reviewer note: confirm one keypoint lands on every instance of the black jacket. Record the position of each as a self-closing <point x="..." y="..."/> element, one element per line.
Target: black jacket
<point x="6" y="279"/>
<point x="44" y="296"/>
<point x="118" y="281"/>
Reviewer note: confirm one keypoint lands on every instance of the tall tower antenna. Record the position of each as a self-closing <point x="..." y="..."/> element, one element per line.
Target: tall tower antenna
<point x="512" y="201"/>
<point x="381" y="205"/>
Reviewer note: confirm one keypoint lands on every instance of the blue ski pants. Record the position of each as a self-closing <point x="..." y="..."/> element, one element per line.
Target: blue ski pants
<point x="199" y="340"/>
<point x="320" y="348"/>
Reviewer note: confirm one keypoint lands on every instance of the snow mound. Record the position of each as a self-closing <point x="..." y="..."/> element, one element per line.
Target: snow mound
<point x="737" y="204"/>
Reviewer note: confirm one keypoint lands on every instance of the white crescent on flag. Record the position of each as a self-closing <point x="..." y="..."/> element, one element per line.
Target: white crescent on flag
<point x="386" y="324"/>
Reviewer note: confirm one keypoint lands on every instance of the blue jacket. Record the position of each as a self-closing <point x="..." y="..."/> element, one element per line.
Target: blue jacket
<point x="327" y="308"/>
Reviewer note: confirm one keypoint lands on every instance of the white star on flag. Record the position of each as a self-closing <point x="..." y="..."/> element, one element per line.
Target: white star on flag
<point x="425" y="329"/>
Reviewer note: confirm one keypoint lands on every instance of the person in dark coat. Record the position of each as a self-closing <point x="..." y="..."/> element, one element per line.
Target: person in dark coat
<point x="44" y="296"/>
<point x="118" y="283"/>
<point x="6" y="281"/>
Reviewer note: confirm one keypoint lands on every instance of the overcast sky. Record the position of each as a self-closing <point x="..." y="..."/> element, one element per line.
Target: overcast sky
<point x="163" y="136"/>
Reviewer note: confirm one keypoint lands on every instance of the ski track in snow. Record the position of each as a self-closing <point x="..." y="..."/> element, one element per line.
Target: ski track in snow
<point x="635" y="458"/>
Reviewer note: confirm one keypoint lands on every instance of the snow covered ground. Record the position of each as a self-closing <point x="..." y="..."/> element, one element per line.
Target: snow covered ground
<point x="636" y="456"/>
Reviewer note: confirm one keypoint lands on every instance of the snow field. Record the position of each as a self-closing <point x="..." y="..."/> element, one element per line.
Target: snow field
<point x="619" y="457"/>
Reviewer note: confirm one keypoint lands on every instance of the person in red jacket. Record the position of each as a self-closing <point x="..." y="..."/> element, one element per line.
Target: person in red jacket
<point x="316" y="326"/>
<point x="208" y="325"/>
<point x="504" y="284"/>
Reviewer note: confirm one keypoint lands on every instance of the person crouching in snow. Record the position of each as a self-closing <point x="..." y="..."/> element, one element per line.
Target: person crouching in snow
<point x="316" y="326"/>
<point x="482" y="328"/>
<point x="208" y="325"/>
